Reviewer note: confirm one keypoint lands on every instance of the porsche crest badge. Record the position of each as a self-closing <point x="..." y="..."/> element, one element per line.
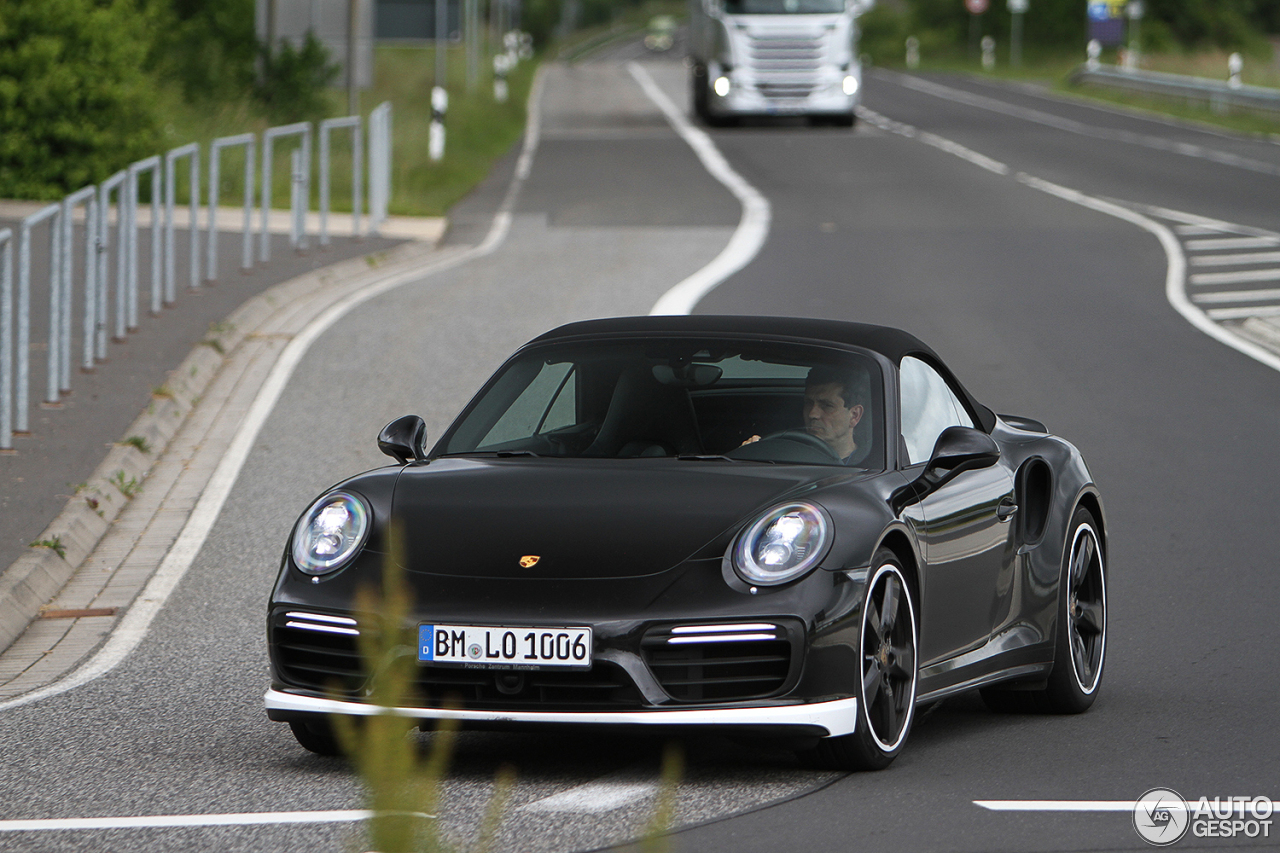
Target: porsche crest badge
<point x="529" y="561"/>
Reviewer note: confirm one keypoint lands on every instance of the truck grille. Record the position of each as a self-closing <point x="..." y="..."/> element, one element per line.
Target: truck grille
<point x="789" y="54"/>
<point x="718" y="663"/>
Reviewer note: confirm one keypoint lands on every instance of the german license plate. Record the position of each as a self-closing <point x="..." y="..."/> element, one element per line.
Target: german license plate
<point x="504" y="647"/>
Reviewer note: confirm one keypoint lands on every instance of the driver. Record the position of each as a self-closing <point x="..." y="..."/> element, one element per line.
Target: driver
<point x="833" y="406"/>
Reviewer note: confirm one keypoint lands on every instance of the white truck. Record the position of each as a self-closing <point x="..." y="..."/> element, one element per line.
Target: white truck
<point x="775" y="57"/>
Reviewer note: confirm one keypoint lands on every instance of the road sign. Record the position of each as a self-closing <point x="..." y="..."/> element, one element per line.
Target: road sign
<point x="975" y="7"/>
<point x="1017" y="7"/>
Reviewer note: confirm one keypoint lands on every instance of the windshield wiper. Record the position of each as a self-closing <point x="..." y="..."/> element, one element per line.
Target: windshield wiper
<point x="500" y="454"/>
<point x="715" y="457"/>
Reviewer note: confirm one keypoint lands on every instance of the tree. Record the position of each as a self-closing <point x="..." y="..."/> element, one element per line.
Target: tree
<point x="76" y="102"/>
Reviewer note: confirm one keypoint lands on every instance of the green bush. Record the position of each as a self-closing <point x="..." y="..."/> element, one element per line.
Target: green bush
<point x="294" y="81"/>
<point x="209" y="47"/>
<point x="76" y="101"/>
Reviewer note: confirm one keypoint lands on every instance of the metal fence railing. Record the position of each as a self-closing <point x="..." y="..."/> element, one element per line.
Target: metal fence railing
<point x="6" y="341"/>
<point x="326" y="126"/>
<point x="191" y="151"/>
<point x="1218" y="94"/>
<point x="100" y="290"/>
<point x="297" y="236"/>
<point x="88" y="197"/>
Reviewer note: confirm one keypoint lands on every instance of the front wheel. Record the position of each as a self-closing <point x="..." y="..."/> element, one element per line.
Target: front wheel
<point x="316" y="736"/>
<point x="887" y="688"/>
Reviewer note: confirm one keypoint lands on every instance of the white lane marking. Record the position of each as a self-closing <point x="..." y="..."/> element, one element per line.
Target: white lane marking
<point x="594" y="798"/>
<point x="1175" y="275"/>
<point x="170" y="821"/>
<point x="939" y="142"/>
<point x="1244" y="313"/>
<point x="1231" y="243"/>
<point x="1193" y="230"/>
<point x="964" y="153"/>
<point x="1238" y="295"/>
<point x="135" y="624"/>
<point x="1236" y="259"/>
<point x="753" y="227"/>
<point x="1176" y="268"/>
<point x="1158" y="143"/>
<point x="1056" y="805"/>
<point x="1241" y="277"/>
<point x="1217" y="226"/>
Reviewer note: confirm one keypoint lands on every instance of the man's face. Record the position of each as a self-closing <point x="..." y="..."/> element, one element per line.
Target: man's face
<point x="827" y="417"/>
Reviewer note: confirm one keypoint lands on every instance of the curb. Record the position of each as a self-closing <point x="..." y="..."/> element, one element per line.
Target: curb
<point x="37" y="576"/>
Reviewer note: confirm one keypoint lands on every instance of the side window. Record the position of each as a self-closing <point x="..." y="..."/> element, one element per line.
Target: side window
<point x="540" y="399"/>
<point x="928" y="407"/>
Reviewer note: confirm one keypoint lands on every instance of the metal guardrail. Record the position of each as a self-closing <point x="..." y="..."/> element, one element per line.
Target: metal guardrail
<point x="15" y="326"/>
<point x="1219" y="94"/>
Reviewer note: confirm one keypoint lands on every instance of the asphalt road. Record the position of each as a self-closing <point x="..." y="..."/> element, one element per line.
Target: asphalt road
<point x="1041" y="306"/>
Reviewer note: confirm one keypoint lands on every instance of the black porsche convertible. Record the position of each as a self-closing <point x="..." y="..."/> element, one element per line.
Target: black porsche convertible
<point x="769" y="526"/>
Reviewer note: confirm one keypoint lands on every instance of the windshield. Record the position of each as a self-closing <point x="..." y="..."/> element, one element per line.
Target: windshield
<point x="734" y="400"/>
<point x="784" y="7"/>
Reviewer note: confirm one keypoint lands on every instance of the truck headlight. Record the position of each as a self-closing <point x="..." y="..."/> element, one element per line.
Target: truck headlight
<point x="850" y="85"/>
<point x="721" y="86"/>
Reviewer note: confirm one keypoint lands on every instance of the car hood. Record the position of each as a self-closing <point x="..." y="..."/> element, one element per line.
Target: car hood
<point x="581" y="518"/>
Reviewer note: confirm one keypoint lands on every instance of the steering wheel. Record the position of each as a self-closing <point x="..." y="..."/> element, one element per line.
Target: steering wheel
<point x="800" y="436"/>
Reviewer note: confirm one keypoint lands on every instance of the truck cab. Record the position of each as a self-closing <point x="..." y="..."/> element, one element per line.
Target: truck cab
<point x="774" y="58"/>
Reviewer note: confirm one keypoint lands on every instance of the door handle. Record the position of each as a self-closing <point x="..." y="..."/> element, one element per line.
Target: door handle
<point x="1006" y="509"/>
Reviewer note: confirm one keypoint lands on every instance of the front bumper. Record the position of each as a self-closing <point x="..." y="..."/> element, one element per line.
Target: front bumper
<point x="823" y="719"/>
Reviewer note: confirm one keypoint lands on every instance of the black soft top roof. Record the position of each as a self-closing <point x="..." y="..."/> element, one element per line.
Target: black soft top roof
<point x="889" y="342"/>
<point x="892" y="343"/>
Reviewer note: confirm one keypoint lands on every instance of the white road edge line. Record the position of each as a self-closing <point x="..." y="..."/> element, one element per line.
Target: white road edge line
<point x="135" y="624"/>
<point x="1056" y="805"/>
<point x="1175" y="278"/>
<point x="753" y="227"/>
<point x="171" y="821"/>
<point x="1176" y="273"/>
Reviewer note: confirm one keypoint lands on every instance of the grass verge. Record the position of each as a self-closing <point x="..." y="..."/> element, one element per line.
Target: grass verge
<point x="1052" y="71"/>
<point x="478" y="132"/>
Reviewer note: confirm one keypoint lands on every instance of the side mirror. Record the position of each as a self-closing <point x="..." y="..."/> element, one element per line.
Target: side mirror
<point x="404" y="439"/>
<point x="961" y="449"/>
<point x="957" y="450"/>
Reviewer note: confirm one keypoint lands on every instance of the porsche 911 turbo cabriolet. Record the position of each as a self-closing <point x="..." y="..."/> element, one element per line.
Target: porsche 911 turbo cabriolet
<point x="772" y="527"/>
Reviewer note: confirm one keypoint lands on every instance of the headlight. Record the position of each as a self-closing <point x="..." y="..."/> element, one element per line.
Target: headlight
<point x="850" y="85"/>
<point x="330" y="533"/>
<point x="783" y="544"/>
<point x="722" y="86"/>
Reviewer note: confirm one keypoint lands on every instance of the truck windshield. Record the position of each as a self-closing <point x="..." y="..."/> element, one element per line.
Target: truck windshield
<point x="783" y="7"/>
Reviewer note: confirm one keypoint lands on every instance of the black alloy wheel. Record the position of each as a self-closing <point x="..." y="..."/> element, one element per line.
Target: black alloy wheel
<point x="1084" y="620"/>
<point x="1080" y="643"/>
<point x="887" y="690"/>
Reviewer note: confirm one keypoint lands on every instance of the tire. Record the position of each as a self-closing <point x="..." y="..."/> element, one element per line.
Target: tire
<point x="1080" y="638"/>
<point x="889" y="655"/>
<point x="698" y="82"/>
<point x="316" y="736"/>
